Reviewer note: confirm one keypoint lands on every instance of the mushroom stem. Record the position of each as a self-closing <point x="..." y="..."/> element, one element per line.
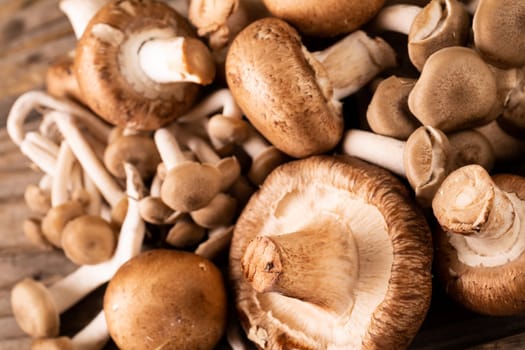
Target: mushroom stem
<point x="294" y="264"/>
<point x="485" y="223"/>
<point x="354" y="61"/>
<point x="64" y="165"/>
<point x="93" y="336"/>
<point x="506" y="147"/>
<point x="396" y="18"/>
<point x="41" y="157"/>
<point x="80" y="12"/>
<point x="177" y="59"/>
<point x="221" y="98"/>
<point x="169" y="148"/>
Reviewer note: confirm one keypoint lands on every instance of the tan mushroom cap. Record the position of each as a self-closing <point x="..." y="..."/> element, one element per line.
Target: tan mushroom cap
<point x="88" y="240"/>
<point x="264" y="163"/>
<point x="499" y="35"/>
<point x="456" y="90"/>
<point x="441" y="23"/>
<point x="493" y="290"/>
<point x="219" y="212"/>
<point x="34" y="309"/>
<point x="325" y="18"/>
<point x="284" y="94"/>
<point x="367" y="203"/>
<point x="114" y="94"/>
<point x="139" y="150"/>
<point x="166" y="299"/>
<point x="57" y="217"/>
<point x="387" y="113"/>
<point x="59" y="343"/>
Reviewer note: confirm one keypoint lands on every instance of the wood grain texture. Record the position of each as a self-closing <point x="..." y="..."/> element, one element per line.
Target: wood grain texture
<point x="33" y="33"/>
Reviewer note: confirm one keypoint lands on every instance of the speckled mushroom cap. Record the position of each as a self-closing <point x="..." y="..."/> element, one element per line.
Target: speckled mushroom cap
<point x="282" y="89"/>
<point x="493" y="290"/>
<point x="391" y="285"/>
<point x="109" y="47"/>
<point x="499" y="34"/>
<point x="325" y="18"/>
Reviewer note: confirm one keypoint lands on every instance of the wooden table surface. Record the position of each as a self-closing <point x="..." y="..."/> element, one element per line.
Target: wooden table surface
<point x="32" y="34"/>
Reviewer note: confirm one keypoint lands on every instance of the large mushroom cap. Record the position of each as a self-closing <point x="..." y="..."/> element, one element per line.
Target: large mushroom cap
<point x="283" y="91"/>
<point x="107" y="67"/>
<point x="166" y="299"/>
<point x="364" y="280"/>
<point x="325" y="18"/>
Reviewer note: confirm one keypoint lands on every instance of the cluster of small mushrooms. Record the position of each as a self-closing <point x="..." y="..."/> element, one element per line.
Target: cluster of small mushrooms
<point x="179" y="132"/>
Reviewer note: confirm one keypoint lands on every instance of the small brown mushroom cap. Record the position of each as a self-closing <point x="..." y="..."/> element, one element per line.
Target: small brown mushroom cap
<point x="34" y="309"/>
<point x="456" y="90"/>
<point x="88" y="240"/>
<point x="343" y="191"/>
<point x="283" y="91"/>
<point x="325" y="18"/>
<point x="120" y="97"/>
<point x="57" y="217"/>
<point x="37" y="199"/>
<point x="139" y="150"/>
<point x="182" y="302"/>
<point x="499" y="34"/>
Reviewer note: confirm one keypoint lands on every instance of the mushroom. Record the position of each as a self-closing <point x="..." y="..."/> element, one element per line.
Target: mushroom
<point x="154" y="211"/>
<point x="498" y="32"/>
<point x="138" y="64"/>
<point x="439" y="24"/>
<point x="365" y="281"/>
<point x="37" y="308"/>
<point x="32" y="228"/>
<point x="218" y="241"/>
<point x="60" y="79"/>
<point x="291" y="95"/>
<point x="387" y="113"/>
<point x="80" y="12"/>
<point x="479" y="248"/>
<point x="456" y="90"/>
<point x="37" y="199"/>
<point x="185" y="233"/>
<point x="221" y="211"/>
<point x="325" y="18"/>
<point x="506" y="147"/>
<point x="187" y="312"/>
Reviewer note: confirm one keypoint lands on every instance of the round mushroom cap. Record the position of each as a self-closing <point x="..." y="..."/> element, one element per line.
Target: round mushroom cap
<point x="456" y="90"/>
<point x="166" y="299"/>
<point x="34" y="309"/>
<point x="57" y="217"/>
<point x="491" y="290"/>
<point x="108" y="72"/>
<point x="499" y="34"/>
<point x="283" y="91"/>
<point x="264" y="164"/>
<point x="325" y="18"/>
<point x="394" y="249"/>
<point x="139" y="150"/>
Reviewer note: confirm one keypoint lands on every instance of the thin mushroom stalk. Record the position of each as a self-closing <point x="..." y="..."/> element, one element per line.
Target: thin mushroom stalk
<point x="37" y="308"/>
<point x="80" y="12"/>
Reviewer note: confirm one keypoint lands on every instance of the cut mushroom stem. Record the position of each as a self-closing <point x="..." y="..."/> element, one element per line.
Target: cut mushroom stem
<point x="37" y="307"/>
<point x="294" y="264"/>
<point x="489" y="219"/>
<point x="354" y="61"/>
<point x="80" y="12"/>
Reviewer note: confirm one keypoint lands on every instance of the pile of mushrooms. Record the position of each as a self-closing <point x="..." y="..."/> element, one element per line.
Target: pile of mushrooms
<point x="254" y="157"/>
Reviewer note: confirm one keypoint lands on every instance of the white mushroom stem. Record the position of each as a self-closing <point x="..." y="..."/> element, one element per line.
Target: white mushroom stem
<point x="384" y="151"/>
<point x="63" y="171"/>
<point x="220" y="100"/>
<point x="95" y="200"/>
<point x="323" y="258"/>
<point x="25" y="103"/>
<point x="80" y="12"/>
<point x="177" y="59"/>
<point x="485" y="224"/>
<point x="396" y="18"/>
<point x="41" y="157"/>
<point x="87" y="158"/>
<point x="43" y="142"/>
<point x="169" y="148"/>
<point x="255" y="144"/>
<point x="354" y="61"/>
<point x="93" y="336"/>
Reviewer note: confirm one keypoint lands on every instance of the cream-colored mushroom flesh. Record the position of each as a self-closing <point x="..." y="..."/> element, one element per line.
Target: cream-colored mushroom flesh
<point x="331" y="254"/>
<point x="282" y="89"/>
<point x="108" y="70"/>
<point x="481" y="240"/>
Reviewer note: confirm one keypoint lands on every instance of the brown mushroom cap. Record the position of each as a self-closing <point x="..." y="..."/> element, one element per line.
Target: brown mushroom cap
<point x="101" y="61"/>
<point x="325" y="18"/>
<point x="166" y="299"/>
<point x="493" y="290"/>
<point x="61" y="80"/>
<point x="499" y="33"/>
<point x="456" y="90"/>
<point x="302" y="194"/>
<point x="57" y="217"/>
<point x="284" y="94"/>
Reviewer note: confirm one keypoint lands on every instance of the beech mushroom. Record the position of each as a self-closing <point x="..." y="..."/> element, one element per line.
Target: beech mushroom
<point x="365" y="281"/>
<point x="439" y="24"/>
<point x="60" y="79"/>
<point x="456" y="90"/>
<point x="325" y="18"/>
<point x="187" y="312"/>
<point x="498" y="32"/>
<point x="185" y="233"/>
<point x="291" y="95"/>
<point x="80" y="12"/>
<point x="37" y="308"/>
<point x="479" y="256"/>
<point x="138" y="64"/>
